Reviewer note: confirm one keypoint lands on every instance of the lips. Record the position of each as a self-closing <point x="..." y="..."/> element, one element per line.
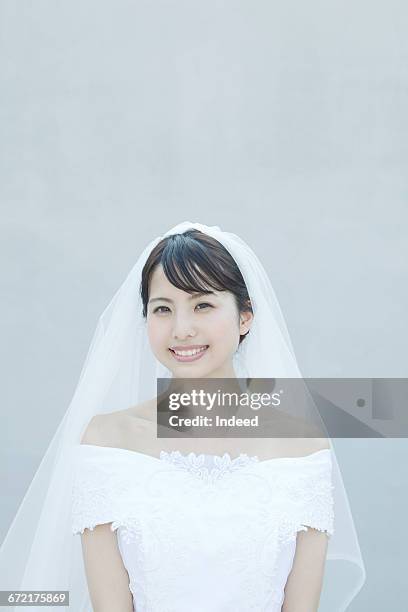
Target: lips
<point x="190" y="353"/>
<point x="189" y="347"/>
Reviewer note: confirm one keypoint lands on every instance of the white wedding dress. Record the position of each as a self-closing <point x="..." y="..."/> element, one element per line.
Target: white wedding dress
<point x="200" y="532"/>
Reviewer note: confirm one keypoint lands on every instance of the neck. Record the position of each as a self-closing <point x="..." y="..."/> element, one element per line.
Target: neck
<point x="210" y="390"/>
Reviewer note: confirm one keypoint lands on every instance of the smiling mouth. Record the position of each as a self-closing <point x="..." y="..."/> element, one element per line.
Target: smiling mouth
<point x="189" y="354"/>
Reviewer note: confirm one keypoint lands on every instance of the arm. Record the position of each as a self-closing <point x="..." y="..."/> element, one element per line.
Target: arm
<point x="304" y="584"/>
<point x="108" y="580"/>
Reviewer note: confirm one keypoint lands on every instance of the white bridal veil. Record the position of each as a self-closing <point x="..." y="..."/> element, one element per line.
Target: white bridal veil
<point x="39" y="551"/>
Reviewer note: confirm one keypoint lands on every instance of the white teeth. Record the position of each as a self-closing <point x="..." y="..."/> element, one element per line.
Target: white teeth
<point x="190" y="353"/>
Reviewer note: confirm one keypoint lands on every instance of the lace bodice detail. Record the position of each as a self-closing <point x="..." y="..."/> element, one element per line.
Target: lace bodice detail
<point x="203" y="530"/>
<point x="207" y="467"/>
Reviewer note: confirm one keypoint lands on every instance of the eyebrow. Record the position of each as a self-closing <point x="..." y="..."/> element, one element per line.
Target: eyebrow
<point x="192" y="297"/>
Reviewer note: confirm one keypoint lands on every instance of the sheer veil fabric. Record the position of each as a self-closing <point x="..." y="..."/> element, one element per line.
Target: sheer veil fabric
<point x="39" y="551"/>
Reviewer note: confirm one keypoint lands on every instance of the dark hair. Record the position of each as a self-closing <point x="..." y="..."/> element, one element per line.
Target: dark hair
<point x="194" y="261"/>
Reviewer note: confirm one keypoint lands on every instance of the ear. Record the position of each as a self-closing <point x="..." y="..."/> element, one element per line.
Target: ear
<point x="245" y="322"/>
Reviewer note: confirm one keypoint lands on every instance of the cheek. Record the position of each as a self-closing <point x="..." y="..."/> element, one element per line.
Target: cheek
<point x="224" y="329"/>
<point x="155" y="333"/>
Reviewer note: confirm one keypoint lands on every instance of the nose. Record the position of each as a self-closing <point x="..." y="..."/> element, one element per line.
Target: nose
<point x="183" y="328"/>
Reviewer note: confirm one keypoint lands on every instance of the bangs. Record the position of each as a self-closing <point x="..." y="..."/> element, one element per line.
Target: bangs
<point x="188" y="265"/>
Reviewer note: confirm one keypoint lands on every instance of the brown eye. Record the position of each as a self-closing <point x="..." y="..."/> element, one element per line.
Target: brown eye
<point x="158" y="309"/>
<point x="204" y="304"/>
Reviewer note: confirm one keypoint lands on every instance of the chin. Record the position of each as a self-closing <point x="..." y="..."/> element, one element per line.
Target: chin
<point x="187" y="373"/>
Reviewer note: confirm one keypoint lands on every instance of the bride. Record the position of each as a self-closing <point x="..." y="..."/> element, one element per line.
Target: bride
<point x="183" y="522"/>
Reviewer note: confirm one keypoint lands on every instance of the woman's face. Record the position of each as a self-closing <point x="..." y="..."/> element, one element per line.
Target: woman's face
<point x="208" y="325"/>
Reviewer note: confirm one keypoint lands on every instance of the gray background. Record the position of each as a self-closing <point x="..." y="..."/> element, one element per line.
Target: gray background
<point x="283" y="122"/>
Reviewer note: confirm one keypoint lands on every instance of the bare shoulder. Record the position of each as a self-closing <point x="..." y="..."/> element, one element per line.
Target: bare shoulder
<point x="101" y="430"/>
<point x="317" y="444"/>
<point x="315" y="438"/>
<point x="295" y="437"/>
<point x="310" y="444"/>
<point x="118" y="428"/>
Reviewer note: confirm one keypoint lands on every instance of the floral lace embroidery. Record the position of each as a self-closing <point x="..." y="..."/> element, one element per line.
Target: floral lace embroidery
<point x="194" y="464"/>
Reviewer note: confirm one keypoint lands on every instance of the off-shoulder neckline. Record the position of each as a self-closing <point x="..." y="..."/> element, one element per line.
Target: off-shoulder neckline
<point x="133" y="453"/>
